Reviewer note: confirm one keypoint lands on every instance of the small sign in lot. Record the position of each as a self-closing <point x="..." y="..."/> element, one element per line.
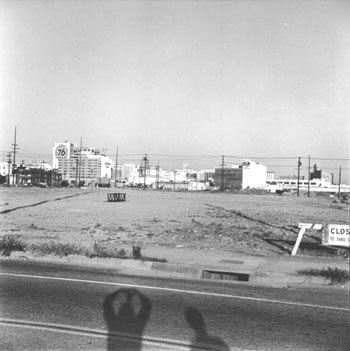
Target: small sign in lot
<point x="337" y="235"/>
<point x="116" y="197"/>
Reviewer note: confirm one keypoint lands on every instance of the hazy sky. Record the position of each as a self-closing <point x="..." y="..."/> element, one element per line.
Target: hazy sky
<point x="245" y="78"/>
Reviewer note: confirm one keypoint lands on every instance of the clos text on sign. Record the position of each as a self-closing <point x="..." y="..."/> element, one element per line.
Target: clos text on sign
<point x="338" y="235"/>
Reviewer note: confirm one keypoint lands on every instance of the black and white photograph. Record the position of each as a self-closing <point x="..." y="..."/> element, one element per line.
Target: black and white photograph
<point x="174" y="175"/>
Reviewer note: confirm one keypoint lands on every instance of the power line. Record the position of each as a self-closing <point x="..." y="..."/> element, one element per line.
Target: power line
<point x="281" y="166"/>
<point x="330" y="159"/>
<point x="333" y="168"/>
<point x="185" y="156"/>
<point x="265" y="158"/>
<point x="201" y="156"/>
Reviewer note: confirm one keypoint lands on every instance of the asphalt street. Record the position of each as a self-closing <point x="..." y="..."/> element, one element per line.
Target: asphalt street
<point x="49" y="306"/>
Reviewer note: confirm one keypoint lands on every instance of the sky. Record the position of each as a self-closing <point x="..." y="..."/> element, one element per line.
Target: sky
<point x="181" y="81"/>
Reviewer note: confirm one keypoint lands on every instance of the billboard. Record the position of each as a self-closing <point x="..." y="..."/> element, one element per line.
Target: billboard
<point x="62" y="151"/>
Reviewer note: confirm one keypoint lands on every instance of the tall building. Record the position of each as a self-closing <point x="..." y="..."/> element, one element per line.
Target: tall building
<point x="270" y="175"/>
<point x="319" y="174"/>
<point x="247" y="175"/>
<point x="5" y="171"/>
<point x="253" y="175"/>
<point x="228" y="178"/>
<point x="82" y="165"/>
<point x="4" y="168"/>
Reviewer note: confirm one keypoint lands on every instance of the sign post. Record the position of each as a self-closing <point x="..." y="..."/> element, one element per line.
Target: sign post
<point x="303" y="227"/>
<point x="336" y="235"/>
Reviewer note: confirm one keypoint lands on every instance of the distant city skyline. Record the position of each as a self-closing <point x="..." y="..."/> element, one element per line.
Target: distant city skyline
<point x="282" y="166"/>
<point x="199" y="79"/>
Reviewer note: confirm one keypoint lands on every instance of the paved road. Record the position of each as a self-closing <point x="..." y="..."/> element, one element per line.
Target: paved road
<point x="71" y="307"/>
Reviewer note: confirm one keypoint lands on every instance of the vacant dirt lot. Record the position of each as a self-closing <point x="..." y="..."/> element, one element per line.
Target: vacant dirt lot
<point x="264" y="225"/>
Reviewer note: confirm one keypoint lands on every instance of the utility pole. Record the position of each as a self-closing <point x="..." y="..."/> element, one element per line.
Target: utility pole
<point x="9" y="161"/>
<point x="76" y="170"/>
<point x="308" y="183"/>
<point x="339" y="182"/>
<point x="144" y="171"/>
<point x="157" y="176"/>
<point x="15" y="148"/>
<point x="81" y="146"/>
<point x="222" y="188"/>
<point x="299" y="164"/>
<point x="116" y="168"/>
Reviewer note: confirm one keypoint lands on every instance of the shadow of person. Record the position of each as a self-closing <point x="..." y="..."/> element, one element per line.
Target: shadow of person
<point x="126" y="312"/>
<point x="202" y="340"/>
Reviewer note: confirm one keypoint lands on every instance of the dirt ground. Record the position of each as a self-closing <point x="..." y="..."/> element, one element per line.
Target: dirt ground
<point x="264" y="225"/>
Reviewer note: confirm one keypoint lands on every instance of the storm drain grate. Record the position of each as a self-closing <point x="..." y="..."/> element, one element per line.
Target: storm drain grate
<point x="225" y="275"/>
<point x="231" y="261"/>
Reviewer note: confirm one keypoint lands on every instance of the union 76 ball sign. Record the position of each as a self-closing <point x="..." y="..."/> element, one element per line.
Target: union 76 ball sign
<point x="61" y="151"/>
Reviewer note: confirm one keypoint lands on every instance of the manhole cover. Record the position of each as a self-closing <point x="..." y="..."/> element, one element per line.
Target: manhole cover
<point x="208" y="274"/>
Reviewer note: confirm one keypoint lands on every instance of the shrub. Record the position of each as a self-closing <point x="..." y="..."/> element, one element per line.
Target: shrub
<point x="56" y="248"/>
<point x="102" y="251"/>
<point x="335" y="275"/>
<point x="99" y="250"/>
<point x="9" y="243"/>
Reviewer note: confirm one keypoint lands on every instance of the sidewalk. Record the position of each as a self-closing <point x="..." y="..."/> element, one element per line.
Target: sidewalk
<point x="224" y="266"/>
<point x="186" y="263"/>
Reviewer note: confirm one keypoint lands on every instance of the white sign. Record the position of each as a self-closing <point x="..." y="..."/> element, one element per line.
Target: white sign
<point x="61" y="151"/>
<point x="337" y="235"/>
<point x="305" y="225"/>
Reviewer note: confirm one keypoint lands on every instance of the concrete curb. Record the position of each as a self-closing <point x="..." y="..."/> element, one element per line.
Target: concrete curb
<point x="82" y="260"/>
<point x="182" y="269"/>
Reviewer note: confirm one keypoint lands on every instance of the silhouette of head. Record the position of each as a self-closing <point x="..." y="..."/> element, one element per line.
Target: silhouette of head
<point x="202" y="339"/>
<point x="126" y="312"/>
<point x="195" y="319"/>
